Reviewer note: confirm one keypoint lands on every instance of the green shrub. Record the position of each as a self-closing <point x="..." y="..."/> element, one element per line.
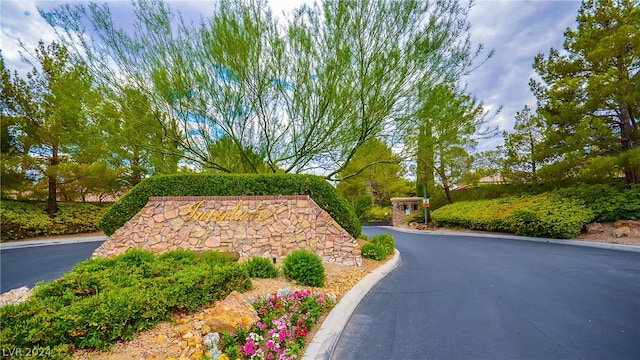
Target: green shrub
<point x="260" y="267"/>
<point x="544" y="215"/>
<point x="215" y="257"/>
<point x="320" y="190"/>
<point x="417" y="217"/>
<point x="101" y="301"/>
<point x="364" y="237"/>
<point x="385" y="240"/>
<point x="378" y="213"/>
<point x="20" y="220"/>
<point x="608" y="202"/>
<point x="361" y="207"/>
<point x="374" y="251"/>
<point x="305" y="267"/>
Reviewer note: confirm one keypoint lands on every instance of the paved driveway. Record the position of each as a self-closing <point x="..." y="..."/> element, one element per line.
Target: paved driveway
<point x="456" y="297"/>
<point x="29" y="265"/>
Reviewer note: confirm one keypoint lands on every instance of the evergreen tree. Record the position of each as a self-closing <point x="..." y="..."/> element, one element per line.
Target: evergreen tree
<point x="590" y="96"/>
<point x="522" y="148"/>
<point x="53" y="104"/>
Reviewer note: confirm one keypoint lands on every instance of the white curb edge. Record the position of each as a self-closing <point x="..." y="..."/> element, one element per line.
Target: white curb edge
<point x="326" y="338"/>
<point x="48" y="242"/>
<point x="591" y="244"/>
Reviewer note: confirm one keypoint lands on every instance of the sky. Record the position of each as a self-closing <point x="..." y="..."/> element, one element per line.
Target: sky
<point x="516" y="30"/>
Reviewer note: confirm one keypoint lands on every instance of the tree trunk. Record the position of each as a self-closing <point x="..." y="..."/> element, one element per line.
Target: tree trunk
<point x="425" y="162"/>
<point x="52" y="204"/>
<point x="631" y="171"/>
<point x="445" y="186"/>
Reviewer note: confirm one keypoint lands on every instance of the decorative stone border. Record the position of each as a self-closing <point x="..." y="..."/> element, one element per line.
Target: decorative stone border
<point x="269" y="226"/>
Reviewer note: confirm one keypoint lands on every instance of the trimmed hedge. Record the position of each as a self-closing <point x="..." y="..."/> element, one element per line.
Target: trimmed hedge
<point x="101" y="301"/>
<point x="20" y="220"/>
<point x="544" y="215"/>
<point x="320" y="190"/>
<point x="608" y="202"/>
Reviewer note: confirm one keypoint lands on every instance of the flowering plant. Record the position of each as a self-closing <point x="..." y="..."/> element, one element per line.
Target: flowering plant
<point x="286" y="318"/>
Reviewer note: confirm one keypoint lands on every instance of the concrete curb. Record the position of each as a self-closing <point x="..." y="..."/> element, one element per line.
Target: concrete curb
<point x="49" y="242"/>
<point x="325" y="340"/>
<point x="629" y="248"/>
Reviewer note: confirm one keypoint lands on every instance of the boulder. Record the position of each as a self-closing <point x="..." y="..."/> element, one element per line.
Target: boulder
<point x="594" y="228"/>
<point x="633" y="224"/>
<point x="625" y="231"/>
<point x="231" y="312"/>
<point x="15" y="296"/>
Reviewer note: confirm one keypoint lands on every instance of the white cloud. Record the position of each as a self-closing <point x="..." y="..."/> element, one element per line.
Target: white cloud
<point x="20" y="21"/>
<point x="517" y="31"/>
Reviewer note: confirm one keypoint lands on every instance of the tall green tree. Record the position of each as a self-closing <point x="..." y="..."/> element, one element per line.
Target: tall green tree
<point x="589" y="95"/>
<point x="382" y="180"/>
<point x="52" y="104"/>
<point x="298" y="95"/>
<point x="11" y="175"/>
<point x="522" y="148"/>
<point x="76" y="180"/>
<point x="447" y="127"/>
<point x="138" y="138"/>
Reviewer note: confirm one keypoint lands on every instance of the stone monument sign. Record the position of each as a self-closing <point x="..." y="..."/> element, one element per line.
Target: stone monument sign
<point x="269" y="226"/>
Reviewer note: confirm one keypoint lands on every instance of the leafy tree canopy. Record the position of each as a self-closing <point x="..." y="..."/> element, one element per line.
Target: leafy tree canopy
<point x="295" y="95"/>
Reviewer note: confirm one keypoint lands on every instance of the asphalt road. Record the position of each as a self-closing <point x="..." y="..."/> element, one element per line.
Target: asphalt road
<point x="27" y="266"/>
<point x="456" y="297"/>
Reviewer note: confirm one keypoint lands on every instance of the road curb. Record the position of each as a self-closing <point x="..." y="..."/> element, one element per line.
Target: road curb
<point x="323" y="343"/>
<point x="618" y="247"/>
<point x="35" y="243"/>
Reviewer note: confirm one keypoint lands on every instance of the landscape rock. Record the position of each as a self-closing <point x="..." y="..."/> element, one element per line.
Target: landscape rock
<point x="15" y="296"/>
<point x="633" y="224"/>
<point x="233" y="311"/>
<point x="594" y="228"/>
<point x="625" y="231"/>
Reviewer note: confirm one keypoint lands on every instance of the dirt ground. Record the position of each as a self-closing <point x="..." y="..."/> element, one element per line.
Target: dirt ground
<point x="608" y="236"/>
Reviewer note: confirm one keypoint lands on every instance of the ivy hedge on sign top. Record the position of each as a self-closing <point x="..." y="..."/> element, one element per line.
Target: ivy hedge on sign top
<point x="320" y="191"/>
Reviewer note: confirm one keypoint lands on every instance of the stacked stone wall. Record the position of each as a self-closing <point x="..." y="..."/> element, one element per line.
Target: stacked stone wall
<point x="269" y="226"/>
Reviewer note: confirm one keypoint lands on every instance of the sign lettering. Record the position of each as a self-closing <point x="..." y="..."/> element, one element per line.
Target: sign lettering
<point x="194" y="212"/>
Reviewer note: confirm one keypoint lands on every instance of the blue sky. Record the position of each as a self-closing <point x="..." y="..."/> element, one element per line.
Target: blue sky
<point x="516" y="30"/>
